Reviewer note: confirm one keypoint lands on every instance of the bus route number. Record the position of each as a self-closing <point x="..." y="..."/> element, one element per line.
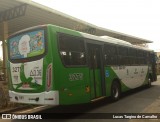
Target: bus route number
<point x="36" y="72"/>
<point x="16" y="69"/>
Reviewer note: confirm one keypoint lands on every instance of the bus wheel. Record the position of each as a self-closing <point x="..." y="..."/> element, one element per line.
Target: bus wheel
<point x="115" y="91"/>
<point x="149" y="81"/>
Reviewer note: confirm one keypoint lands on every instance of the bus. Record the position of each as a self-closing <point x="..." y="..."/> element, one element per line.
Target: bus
<point x="51" y="65"/>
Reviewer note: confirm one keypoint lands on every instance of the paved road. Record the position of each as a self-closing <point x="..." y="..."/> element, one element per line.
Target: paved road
<point x="139" y="101"/>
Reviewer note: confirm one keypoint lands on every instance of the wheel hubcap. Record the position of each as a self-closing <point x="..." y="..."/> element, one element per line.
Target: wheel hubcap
<point x="115" y="92"/>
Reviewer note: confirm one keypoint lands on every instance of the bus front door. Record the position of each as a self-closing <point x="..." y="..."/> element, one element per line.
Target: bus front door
<point x="95" y="66"/>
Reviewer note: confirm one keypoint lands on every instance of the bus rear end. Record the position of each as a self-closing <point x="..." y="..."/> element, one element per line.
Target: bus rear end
<point x="30" y="68"/>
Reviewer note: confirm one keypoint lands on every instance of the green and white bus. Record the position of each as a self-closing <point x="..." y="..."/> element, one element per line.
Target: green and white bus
<point x="58" y="66"/>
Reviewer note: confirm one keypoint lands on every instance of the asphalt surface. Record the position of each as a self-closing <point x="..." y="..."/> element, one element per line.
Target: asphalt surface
<point x="144" y="100"/>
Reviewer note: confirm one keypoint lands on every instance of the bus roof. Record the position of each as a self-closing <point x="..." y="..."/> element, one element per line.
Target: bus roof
<point x="113" y="41"/>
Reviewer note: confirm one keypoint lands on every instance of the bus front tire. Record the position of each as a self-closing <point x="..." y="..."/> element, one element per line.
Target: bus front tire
<point x="115" y="91"/>
<point x="149" y="81"/>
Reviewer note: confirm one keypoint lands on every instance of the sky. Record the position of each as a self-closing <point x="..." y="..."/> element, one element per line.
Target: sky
<point x="140" y="18"/>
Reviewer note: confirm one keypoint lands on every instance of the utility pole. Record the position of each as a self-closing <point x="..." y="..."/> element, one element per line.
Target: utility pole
<point x="4" y="46"/>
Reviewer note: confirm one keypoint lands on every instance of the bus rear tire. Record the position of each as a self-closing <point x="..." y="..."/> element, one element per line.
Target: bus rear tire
<point x="115" y="91"/>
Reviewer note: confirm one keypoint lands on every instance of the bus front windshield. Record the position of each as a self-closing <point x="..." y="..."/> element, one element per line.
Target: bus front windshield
<point x="27" y="45"/>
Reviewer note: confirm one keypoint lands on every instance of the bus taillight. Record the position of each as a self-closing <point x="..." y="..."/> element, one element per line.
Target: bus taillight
<point x="49" y="77"/>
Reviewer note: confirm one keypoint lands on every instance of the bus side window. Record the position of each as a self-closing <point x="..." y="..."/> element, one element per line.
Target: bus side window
<point x="110" y="54"/>
<point x="72" y="50"/>
<point x="132" y="53"/>
<point x="122" y="55"/>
